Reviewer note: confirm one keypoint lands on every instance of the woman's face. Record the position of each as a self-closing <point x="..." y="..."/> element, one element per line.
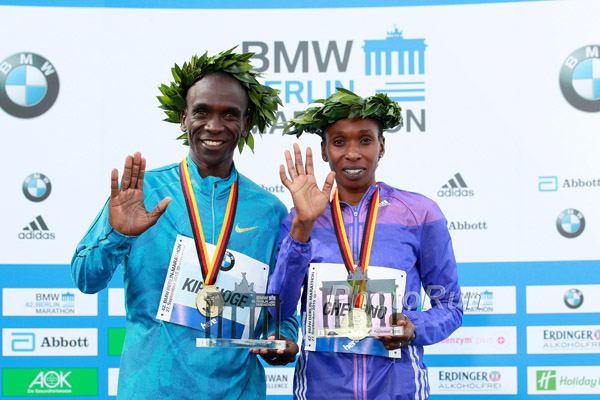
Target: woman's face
<point x="353" y="148"/>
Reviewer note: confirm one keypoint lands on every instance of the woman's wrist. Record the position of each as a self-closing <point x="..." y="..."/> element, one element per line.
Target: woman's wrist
<point x="301" y="230"/>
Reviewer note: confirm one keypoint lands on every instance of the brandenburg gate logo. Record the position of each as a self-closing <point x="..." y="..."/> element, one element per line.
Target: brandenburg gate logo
<point x="396" y="56"/>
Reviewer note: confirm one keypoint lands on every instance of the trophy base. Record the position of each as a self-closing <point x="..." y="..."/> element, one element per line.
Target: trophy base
<point x="357" y="334"/>
<point x="240" y="343"/>
<point x="350" y="333"/>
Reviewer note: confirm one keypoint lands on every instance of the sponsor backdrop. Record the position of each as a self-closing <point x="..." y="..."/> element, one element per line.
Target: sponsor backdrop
<point x="501" y="103"/>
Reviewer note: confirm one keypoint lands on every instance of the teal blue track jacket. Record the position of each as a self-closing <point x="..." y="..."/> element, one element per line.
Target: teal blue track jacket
<point x="160" y="360"/>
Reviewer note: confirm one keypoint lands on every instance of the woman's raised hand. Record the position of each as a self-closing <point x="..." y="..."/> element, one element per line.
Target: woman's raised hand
<point x="309" y="201"/>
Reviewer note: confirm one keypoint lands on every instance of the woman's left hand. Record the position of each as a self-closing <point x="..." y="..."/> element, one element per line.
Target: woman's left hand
<point x="396" y="342"/>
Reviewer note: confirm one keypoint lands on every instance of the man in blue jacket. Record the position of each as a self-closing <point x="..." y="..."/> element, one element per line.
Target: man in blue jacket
<point x="217" y="101"/>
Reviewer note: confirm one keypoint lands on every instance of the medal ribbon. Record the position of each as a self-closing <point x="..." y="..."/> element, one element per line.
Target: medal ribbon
<point x="209" y="269"/>
<point x="367" y="240"/>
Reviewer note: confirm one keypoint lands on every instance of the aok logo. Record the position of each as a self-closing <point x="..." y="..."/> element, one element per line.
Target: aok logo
<point x="18" y="382"/>
<point x="50" y="380"/>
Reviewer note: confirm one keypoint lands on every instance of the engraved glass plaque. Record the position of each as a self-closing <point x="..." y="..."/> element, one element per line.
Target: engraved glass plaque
<point x="243" y="306"/>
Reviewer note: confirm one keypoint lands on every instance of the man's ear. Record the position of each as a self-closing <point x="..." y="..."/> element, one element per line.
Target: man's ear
<point x="183" y="118"/>
<point x="246" y="126"/>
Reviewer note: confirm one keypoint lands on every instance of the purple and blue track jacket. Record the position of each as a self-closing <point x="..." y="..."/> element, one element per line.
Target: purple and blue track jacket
<point x="411" y="235"/>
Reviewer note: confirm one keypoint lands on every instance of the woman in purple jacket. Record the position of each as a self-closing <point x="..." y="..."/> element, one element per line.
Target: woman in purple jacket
<point x="362" y="252"/>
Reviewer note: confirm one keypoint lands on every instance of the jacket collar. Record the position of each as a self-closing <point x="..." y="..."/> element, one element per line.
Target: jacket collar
<point x="365" y="199"/>
<point x="206" y="185"/>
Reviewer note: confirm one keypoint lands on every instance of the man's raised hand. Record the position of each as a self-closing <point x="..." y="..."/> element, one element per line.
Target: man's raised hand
<point x="310" y="202"/>
<point x="127" y="213"/>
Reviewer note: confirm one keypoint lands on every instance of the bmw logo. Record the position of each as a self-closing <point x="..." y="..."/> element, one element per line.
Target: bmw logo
<point x="573" y="298"/>
<point x="37" y="187"/>
<point x="570" y="223"/>
<point x="580" y="78"/>
<point x="28" y="85"/>
<point x="228" y="261"/>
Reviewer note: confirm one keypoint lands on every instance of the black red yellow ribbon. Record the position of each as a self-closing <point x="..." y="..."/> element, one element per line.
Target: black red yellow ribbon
<point x="209" y="269"/>
<point x="366" y="245"/>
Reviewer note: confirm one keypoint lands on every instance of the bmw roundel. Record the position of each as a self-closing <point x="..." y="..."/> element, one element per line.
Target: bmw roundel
<point x="37" y="187"/>
<point x="228" y="261"/>
<point x="573" y="298"/>
<point x="580" y="78"/>
<point x="570" y="223"/>
<point x="28" y="85"/>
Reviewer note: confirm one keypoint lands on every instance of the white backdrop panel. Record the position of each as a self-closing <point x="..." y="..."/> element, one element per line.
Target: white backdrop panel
<point x="493" y="111"/>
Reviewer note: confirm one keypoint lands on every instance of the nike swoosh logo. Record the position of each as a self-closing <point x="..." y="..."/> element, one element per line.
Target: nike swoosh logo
<point x="242" y="230"/>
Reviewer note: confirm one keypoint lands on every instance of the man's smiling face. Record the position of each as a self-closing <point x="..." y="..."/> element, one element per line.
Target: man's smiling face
<point x="215" y="118"/>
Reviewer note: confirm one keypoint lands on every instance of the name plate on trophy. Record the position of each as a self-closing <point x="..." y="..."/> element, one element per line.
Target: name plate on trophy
<point x="253" y="301"/>
<point x="226" y="314"/>
<point x="357" y="324"/>
<point x="334" y="321"/>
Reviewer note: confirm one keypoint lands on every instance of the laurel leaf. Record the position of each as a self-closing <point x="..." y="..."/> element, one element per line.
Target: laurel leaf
<point x="264" y="100"/>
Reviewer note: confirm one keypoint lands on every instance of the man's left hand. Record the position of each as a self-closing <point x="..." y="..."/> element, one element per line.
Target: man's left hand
<point x="278" y="357"/>
<point x="396" y="342"/>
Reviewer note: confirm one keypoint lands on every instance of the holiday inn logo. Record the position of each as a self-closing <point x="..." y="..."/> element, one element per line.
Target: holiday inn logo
<point x="545" y="380"/>
<point x="34" y="382"/>
<point x="571" y="380"/>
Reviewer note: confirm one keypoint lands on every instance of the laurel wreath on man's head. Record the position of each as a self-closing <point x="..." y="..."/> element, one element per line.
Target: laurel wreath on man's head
<point x="263" y="100"/>
<point x="345" y="104"/>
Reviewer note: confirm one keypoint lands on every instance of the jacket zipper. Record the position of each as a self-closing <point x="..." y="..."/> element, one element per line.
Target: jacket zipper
<point x="356" y="251"/>
<point x="212" y="206"/>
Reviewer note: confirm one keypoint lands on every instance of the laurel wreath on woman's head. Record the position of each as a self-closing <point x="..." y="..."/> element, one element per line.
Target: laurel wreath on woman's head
<point x="345" y="104"/>
<point x="263" y="100"/>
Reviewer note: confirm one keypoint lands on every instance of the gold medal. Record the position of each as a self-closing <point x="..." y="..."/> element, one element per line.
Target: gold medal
<point x="210" y="301"/>
<point x="356" y="325"/>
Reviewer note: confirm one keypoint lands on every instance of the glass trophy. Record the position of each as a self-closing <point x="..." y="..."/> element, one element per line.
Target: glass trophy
<point x="230" y="318"/>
